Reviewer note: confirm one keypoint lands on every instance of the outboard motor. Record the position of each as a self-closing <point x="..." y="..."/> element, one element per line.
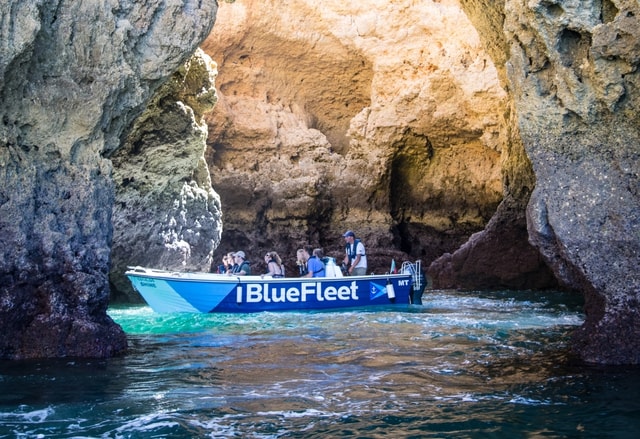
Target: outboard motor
<point x="418" y="288"/>
<point x="419" y="280"/>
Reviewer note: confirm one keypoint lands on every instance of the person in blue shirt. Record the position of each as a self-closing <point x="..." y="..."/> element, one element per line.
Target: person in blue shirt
<point x="315" y="266"/>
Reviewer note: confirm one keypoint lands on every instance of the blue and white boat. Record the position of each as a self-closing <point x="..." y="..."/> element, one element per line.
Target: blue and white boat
<point x="168" y="292"/>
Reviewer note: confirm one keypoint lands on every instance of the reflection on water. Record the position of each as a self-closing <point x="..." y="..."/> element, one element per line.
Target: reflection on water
<point x="464" y="365"/>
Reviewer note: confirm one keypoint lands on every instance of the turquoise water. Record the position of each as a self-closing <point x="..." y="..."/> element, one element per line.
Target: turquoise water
<point x="464" y="365"/>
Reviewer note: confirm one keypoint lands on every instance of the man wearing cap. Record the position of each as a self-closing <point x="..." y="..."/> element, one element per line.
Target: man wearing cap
<point x="355" y="257"/>
<point x="241" y="267"/>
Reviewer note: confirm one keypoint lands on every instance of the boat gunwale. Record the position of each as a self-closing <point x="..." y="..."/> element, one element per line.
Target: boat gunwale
<point x="223" y="278"/>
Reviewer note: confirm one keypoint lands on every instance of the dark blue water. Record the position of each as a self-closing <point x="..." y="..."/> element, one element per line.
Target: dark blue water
<point x="464" y="365"/>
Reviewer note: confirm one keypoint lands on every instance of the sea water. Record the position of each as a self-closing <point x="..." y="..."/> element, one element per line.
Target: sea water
<point x="463" y="365"/>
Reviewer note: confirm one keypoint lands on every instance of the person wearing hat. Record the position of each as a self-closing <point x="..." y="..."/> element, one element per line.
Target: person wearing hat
<point x="355" y="258"/>
<point x="241" y="267"/>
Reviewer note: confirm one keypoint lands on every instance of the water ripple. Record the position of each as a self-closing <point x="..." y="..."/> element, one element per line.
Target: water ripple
<point x="463" y="365"/>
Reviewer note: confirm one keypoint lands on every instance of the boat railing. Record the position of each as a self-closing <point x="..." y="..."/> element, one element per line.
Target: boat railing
<point x="413" y="268"/>
<point x="332" y="272"/>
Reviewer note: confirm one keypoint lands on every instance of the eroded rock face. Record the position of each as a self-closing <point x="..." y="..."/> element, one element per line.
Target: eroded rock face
<point x="500" y="255"/>
<point x="381" y="117"/>
<point x="166" y="214"/>
<point x="398" y="148"/>
<point x="384" y="117"/>
<point x="68" y="88"/>
<point x="574" y="70"/>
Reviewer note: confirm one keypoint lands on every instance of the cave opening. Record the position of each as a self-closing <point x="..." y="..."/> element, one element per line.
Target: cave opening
<point x="341" y="105"/>
<point x="401" y="139"/>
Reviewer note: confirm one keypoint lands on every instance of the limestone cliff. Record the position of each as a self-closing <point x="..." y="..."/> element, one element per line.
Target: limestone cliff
<point x="166" y="215"/>
<point x="390" y="118"/>
<point x="69" y="87"/>
<point x="383" y="117"/>
<point x="444" y="130"/>
<point x="574" y="74"/>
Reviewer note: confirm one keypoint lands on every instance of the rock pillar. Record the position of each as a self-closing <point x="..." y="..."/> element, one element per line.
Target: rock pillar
<point x="574" y="75"/>
<point x="73" y="75"/>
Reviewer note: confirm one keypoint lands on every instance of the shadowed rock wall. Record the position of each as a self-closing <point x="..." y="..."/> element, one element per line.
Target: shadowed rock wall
<point x="500" y="255"/>
<point x="572" y="69"/>
<point x="166" y="215"/>
<point x="73" y="75"/>
<point x="574" y="74"/>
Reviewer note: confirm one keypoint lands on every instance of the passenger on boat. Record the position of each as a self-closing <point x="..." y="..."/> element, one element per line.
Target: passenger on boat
<point x="301" y="261"/>
<point x="355" y="258"/>
<point x="230" y="262"/>
<point x="242" y="266"/>
<point x="315" y="266"/>
<point x="227" y="264"/>
<point x="274" y="265"/>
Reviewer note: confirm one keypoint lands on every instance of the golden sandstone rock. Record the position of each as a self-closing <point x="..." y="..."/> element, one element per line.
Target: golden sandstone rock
<point x="382" y="117"/>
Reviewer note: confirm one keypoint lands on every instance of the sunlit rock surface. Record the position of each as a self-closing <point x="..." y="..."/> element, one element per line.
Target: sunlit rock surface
<point x="166" y="214"/>
<point x="390" y="118"/>
<point x="73" y="75"/>
<point x="382" y="117"/>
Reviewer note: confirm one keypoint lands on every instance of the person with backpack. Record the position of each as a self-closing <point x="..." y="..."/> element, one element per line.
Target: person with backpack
<point x="355" y="258"/>
<point x="315" y="267"/>
<point x="242" y="266"/>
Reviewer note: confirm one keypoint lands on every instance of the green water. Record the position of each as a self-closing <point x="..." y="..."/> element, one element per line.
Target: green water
<point x="464" y="365"/>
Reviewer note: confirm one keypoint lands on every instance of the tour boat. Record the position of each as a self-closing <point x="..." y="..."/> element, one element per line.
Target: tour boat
<point x="168" y="292"/>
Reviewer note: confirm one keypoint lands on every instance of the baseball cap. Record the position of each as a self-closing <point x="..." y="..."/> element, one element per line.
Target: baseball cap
<point x="240" y="253"/>
<point x="349" y="233"/>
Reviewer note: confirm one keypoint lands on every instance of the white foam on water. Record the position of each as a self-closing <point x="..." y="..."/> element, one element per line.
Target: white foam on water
<point x="31" y="416"/>
<point x="147" y="423"/>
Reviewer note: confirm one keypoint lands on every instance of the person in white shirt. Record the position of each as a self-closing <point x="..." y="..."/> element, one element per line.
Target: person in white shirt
<point x="355" y="258"/>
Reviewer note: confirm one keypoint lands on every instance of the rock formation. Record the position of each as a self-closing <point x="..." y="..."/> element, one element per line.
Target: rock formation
<point x="572" y="68"/>
<point x="166" y="215"/>
<point x="494" y="138"/>
<point x="382" y="117"/>
<point x="574" y="73"/>
<point x="389" y="118"/>
<point x="69" y="87"/>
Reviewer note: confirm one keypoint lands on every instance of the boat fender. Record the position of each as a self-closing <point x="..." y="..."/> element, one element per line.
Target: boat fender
<point x="391" y="294"/>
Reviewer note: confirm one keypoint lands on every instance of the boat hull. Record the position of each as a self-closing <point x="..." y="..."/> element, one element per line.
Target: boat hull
<point x="167" y="292"/>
